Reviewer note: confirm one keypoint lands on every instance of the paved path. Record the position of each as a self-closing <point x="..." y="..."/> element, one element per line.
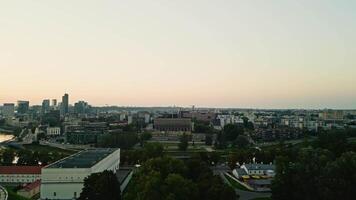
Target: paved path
<point x="3" y="193"/>
<point x="245" y="195"/>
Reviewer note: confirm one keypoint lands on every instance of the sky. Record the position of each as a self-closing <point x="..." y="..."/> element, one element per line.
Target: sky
<point x="231" y="53"/>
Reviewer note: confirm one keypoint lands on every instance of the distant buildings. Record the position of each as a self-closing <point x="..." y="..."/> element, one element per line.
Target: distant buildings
<point x="332" y="115"/>
<point x="64" y="179"/>
<point x="23" y="107"/>
<point x="46" y="106"/>
<point x="199" y="115"/>
<point x="53" y="131"/>
<point x="54" y="103"/>
<point x="65" y="104"/>
<point x="81" y="107"/>
<point x="8" y="110"/>
<point x="173" y="124"/>
<point x="85" y="132"/>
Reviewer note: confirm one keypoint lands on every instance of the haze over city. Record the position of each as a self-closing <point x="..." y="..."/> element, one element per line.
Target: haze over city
<point x="246" y="54"/>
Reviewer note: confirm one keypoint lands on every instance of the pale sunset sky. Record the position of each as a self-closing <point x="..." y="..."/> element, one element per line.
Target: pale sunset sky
<point x="230" y="53"/>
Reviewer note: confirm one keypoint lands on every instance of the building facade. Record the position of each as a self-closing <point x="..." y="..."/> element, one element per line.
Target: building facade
<point x="23" y="107"/>
<point x="64" y="179"/>
<point x="53" y="131"/>
<point x="65" y="104"/>
<point x="173" y="124"/>
<point x="19" y="174"/>
<point x="8" y="110"/>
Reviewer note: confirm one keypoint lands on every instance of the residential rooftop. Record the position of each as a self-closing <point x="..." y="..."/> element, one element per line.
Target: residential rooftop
<point x="83" y="159"/>
<point x="20" y="169"/>
<point x="260" y="166"/>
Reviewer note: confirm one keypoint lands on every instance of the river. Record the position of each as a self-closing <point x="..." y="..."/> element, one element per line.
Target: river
<point x="5" y="137"/>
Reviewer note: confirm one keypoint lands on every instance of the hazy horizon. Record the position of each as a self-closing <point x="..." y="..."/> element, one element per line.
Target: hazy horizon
<point x="236" y="54"/>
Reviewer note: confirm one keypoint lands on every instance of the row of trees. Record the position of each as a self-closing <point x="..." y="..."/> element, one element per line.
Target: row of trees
<point x="169" y="178"/>
<point x="323" y="169"/>
<point x="232" y="135"/>
<point x="27" y="157"/>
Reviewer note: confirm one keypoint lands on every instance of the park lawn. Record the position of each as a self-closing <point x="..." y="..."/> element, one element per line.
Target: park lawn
<point x="236" y="184"/>
<point x="13" y="195"/>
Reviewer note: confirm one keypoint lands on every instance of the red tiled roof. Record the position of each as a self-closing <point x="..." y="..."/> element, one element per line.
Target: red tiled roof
<point x="32" y="185"/>
<point x="20" y="169"/>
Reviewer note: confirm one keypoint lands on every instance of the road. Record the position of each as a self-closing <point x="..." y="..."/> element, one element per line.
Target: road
<point x="3" y="193"/>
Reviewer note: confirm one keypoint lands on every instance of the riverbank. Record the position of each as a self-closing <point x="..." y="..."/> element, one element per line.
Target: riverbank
<point x="6" y="137"/>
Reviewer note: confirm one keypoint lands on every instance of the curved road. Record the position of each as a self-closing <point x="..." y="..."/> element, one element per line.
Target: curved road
<point x="245" y="195"/>
<point x="3" y="193"/>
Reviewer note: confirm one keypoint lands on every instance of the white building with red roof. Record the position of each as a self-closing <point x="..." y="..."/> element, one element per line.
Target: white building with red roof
<point x="30" y="190"/>
<point x="19" y="174"/>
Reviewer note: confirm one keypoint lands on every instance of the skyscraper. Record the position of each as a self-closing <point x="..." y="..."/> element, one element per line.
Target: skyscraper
<point x="54" y="103"/>
<point x="22" y="107"/>
<point x="45" y="106"/>
<point x="8" y="110"/>
<point x="65" y="104"/>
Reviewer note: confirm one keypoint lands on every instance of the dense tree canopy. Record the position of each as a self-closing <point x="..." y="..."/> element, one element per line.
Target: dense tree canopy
<point x="183" y="142"/>
<point x="119" y="140"/>
<point x="168" y="178"/>
<point x="323" y="170"/>
<point x="101" y="186"/>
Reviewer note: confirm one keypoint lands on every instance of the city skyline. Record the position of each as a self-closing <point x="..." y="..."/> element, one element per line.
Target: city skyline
<point x="243" y="54"/>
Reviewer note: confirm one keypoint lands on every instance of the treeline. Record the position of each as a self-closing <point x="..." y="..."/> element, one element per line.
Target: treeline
<point x="28" y="158"/>
<point x="162" y="177"/>
<point x="322" y="169"/>
<point x="123" y="140"/>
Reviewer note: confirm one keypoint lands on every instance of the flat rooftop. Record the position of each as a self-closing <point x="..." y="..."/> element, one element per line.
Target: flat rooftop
<point x="83" y="159"/>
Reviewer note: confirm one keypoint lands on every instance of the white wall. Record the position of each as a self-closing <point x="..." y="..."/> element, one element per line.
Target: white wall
<point x="65" y="182"/>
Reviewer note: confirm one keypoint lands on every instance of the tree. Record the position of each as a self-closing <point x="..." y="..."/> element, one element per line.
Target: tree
<point x="166" y="178"/>
<point x="27" y="158"/>
<point x="145" y="136"/>
<point x="200" y="127"/>
<point x="302" y="178"/>
<point x="242" y="141"/>
<point x="8" y="156"/>
<point x="101" y="186"/>
<point x="231" y="131"/>
<point x="334" y="141"/>
<point x="152" y="150"/>
<point x="208" y="139"/>
<point x="183" y="142"/>
<point x="178" y="188"/>
<point x="119" y="140"/>
<point x="340" y="178"/>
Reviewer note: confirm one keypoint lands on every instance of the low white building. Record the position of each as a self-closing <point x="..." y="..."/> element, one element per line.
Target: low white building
<point x="64" y="179"/>
<point x="19" y="174"/>
<point x="259" y="169"/>
<point x="53" y="131"/>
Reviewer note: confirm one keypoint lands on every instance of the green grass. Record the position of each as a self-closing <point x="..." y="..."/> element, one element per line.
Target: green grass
<point x="236" y="184"/>
<point x="13" y="195"/>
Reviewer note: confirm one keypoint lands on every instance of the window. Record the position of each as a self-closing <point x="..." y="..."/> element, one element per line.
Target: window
<point x="54" y="194"/>
<point x="75" y="194"/>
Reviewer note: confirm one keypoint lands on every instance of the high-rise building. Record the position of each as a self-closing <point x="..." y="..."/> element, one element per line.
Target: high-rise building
<point x="54" y="103"/>
<point x="45" y="106"/>
<point x="23" y="107"/>
<point x="8" y="110"/>
<point x="65" y="104"/>
<point x="81" y="107"/>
